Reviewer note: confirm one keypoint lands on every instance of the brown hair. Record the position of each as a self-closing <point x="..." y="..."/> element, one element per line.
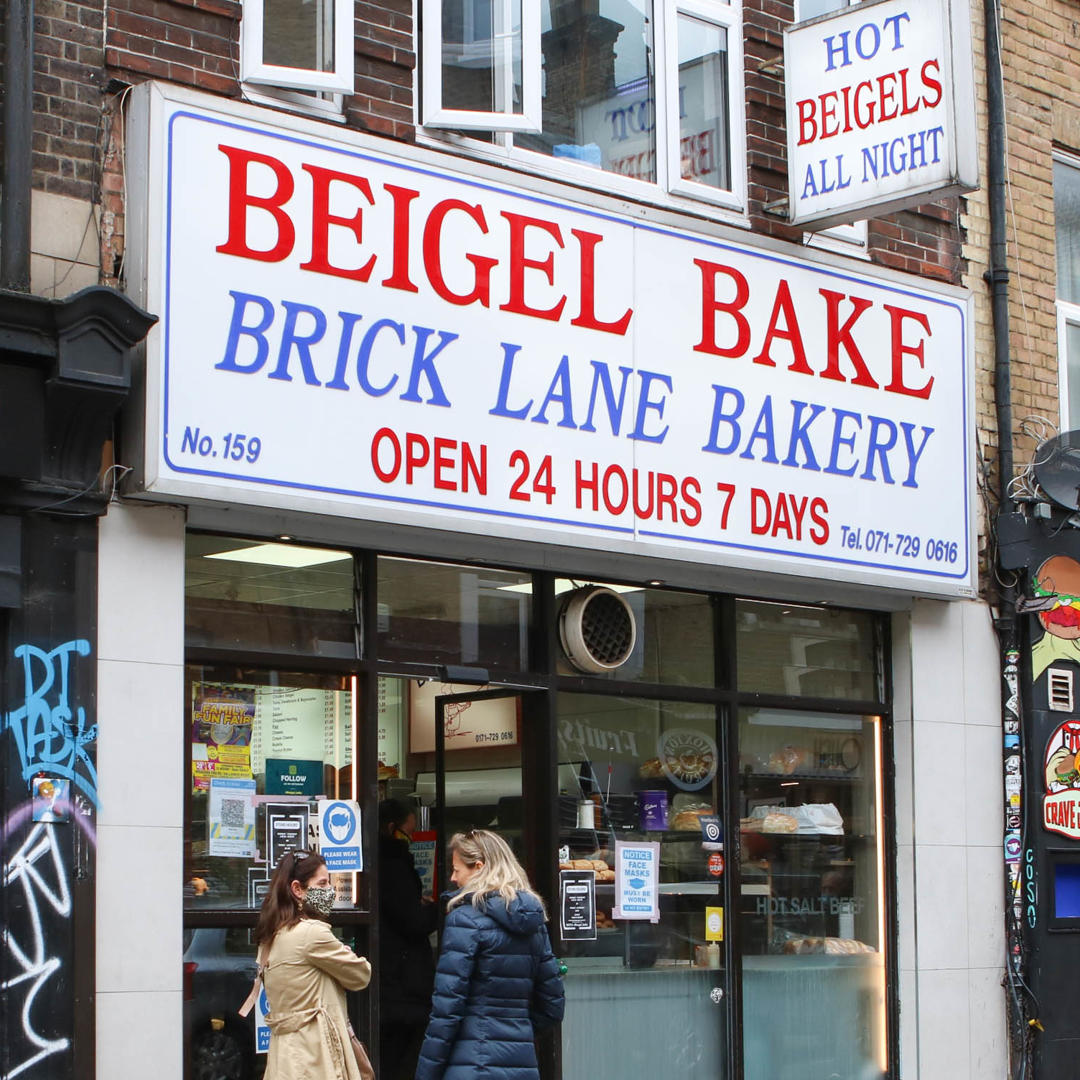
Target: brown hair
<point x="279" y="908"/>
<point x="501" y="872"/>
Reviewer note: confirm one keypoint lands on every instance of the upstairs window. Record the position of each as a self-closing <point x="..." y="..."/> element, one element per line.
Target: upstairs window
<point x="645" y="91"/>
<point x="1067" y="244"/>
<point x="302" y="45"/>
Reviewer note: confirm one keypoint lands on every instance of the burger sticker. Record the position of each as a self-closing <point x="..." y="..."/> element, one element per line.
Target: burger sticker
<point x="1056" y="604"/>
<point x="1061" y="804"/>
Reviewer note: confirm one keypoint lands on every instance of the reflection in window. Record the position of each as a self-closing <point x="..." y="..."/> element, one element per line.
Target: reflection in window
<point x="642" y="773"/>
<point x="806" y="651"/>
<point x="812" y="900"/>
<point x="245" y="594"/>
<point x="299" y="35"/>
<point x="440" y="613"/>
<point x="1067" y="230"/>
<point x="704" y="152"/>
<point x="598" y="100"/>
<point x="481" y="55"/>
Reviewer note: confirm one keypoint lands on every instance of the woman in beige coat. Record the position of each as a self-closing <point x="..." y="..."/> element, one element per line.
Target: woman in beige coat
<point x="306" y="971"/>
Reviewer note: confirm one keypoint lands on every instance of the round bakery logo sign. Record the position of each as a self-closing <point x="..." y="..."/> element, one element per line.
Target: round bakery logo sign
<point x="688" y="758"/>
<point x="1061" y="803"/>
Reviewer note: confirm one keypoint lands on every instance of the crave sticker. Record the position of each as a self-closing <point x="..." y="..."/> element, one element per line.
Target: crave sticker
<point x="1061" y="804"/>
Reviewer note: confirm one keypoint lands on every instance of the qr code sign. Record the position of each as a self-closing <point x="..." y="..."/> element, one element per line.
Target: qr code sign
<point x="232" y="812"/>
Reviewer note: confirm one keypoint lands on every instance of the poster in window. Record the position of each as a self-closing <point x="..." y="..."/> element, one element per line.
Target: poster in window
<point x="577" y="905"/>
<point x="222" y="720"/>
<point x="286" y="830"/>
<point x="231" y="813"/>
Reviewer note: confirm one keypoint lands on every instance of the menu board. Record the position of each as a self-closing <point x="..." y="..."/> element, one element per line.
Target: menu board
<point x="236" y="728"/>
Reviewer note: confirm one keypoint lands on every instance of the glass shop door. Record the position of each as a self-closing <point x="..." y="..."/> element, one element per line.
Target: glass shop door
<point x="485" y="774"/>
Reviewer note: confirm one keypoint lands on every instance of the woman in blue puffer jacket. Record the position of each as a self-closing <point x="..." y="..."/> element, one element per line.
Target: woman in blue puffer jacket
<point x="497" y="981"/>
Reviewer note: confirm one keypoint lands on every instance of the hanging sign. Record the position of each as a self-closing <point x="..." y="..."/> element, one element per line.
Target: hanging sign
<point x="353" y="327"/>
<point x="880" y="109"/>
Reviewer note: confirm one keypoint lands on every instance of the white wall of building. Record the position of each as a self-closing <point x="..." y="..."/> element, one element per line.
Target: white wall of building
<point x="140" y="778"/>
<point x="950" y="816"/>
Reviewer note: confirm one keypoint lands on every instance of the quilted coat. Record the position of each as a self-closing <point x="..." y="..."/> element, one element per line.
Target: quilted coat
<point x="496" y="983"/>
<point x="306" y="975"/>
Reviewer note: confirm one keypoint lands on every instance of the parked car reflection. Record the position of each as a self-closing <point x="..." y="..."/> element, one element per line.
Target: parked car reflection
<point x="219" y="1044"/>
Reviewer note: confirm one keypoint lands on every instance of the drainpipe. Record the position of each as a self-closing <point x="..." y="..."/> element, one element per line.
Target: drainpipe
<point x="998" y="273"/>
<point x="1007" y="623"/>
<point x="18" y="139"/>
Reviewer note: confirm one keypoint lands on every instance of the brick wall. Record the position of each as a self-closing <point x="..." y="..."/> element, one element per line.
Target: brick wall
<point x="68" y="89"/>
<point x="1041" y="69"/>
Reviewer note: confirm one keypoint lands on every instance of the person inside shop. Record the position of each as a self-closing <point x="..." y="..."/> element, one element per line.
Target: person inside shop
<point x="407" y="919"/>
<point x="305" y="971"/>
<point x="497" y="981"/>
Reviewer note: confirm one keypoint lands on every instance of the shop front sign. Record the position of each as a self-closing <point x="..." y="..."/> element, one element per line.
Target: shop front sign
<point x="880" y="110"/>
<point x="354" y="328"/>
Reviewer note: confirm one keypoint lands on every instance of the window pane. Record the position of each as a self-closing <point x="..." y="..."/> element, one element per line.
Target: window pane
<point x="598" y="105"/>
<point x="264" y="747"/>
<point x="810" y="9"/>
<point x="299" y="35"/>
<point x="481" y="60"/>
<point x="644" y="772"/>
<point x="439" y="613"/>
<point x="249" y="595"/>
<point x="1072" y="359"/>
<point x="811" y="906"/>
<point x="703" y="103"/>
<point x="807" y="651"/>
<point x="1067" y="222"/>
<point x="674" y="639"/>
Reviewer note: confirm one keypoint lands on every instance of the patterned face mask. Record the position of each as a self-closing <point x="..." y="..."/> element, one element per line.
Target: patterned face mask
<point x="320" y="901"/>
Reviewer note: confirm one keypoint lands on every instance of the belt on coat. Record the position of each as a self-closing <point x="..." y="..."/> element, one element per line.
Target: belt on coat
<point x="294" y="1021"/>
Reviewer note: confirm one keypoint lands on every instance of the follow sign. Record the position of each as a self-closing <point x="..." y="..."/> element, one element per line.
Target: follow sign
<point x="340" y="837"/>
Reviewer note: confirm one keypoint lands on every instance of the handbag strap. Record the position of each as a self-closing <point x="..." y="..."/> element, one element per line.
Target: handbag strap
<point x="256" y="986"/>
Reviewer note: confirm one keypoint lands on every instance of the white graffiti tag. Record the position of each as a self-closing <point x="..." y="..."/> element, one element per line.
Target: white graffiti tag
<point x="37" y="861"/>
<point x="50" y="735"/>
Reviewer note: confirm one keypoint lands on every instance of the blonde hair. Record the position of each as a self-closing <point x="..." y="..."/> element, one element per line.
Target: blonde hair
<point x="500" y="871"/>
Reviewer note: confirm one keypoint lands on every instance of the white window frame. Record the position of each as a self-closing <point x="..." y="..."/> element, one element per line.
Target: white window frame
<point x="435" y="115"/>
<point x="727" y="16"/>
<point x="686" y="195"/>
<point x="1066" y="314"/>
<point x="254" y="70"/>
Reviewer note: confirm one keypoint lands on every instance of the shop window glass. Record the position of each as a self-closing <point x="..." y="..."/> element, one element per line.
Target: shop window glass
<point x="811" y="907"/>
<point x="300" y="46"/>
<point x="704" y="151"/>
<point x="263" y="748"/>
<point x="219" y="966"/>
<point x="632" y="773"/>
<point x="441" y="613"/>
<point x="806" y="651"/>
<point x="674" y="638"/>
<point x="250" y="595"/>
<point x="599" y="105"/>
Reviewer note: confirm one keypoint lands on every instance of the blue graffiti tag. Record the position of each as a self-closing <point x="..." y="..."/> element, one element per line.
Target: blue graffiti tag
<point x="49" y="736"/>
